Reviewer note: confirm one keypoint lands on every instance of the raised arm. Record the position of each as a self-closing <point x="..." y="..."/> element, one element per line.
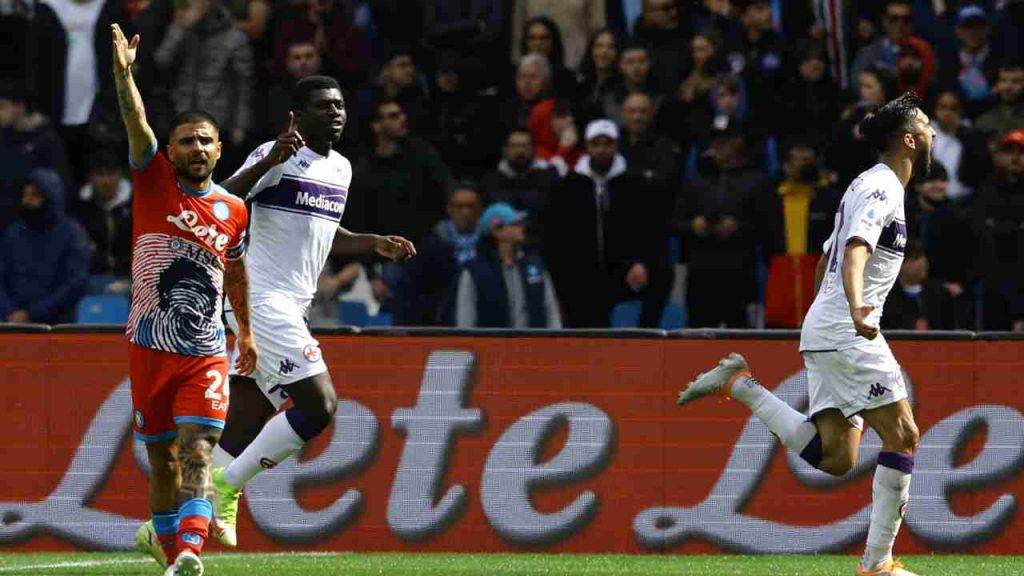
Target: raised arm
<point x="141" y="140"/>
<point x="287" y="145"/>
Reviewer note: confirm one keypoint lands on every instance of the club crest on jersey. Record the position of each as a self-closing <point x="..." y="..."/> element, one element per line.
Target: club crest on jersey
<point x="189" y="222"/>
<point x="311" y="352"/>
<point x="140" y="422"/>
<point x="221" y="211"/>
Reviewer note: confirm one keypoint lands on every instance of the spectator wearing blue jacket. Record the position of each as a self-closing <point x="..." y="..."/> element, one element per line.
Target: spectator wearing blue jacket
<point x="44" y="256"/>
<point x="505" y="286"/>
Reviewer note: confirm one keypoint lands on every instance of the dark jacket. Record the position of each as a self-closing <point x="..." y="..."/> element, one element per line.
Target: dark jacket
<point x="213" y="67"/>
<point x="668" y="50"/>
<point x="50" y="63"/>
<point x="44" y="265"/>
<point x="402" y="194"/>
<point x="903" y="309"/>
<point x="654" y="159"/>
<point x="530" y="191"/>
<point x="492" y="301"/>
<point x="951" y="238"/>
<point x="433" y="275"/>
<point x="20" y="153"/>
<point x="586" y="265"/>
<point x="109" y="228"/>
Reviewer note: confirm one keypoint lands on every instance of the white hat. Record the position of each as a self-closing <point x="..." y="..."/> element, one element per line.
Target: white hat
<point x="602" y="128"/>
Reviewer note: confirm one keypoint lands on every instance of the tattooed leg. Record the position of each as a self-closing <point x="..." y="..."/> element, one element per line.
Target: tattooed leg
<point x="195" y="449"/>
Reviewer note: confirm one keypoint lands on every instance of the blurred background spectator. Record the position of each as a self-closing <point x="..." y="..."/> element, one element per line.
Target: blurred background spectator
<point x="44" y="256"/>
<point x="735" y="134"/>
<point x="505" y="285"/>
<point x="104" y="207"/>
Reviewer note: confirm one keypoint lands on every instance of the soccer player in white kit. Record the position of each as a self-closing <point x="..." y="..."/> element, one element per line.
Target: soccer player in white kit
<point x="296" y="187"/>
<point x="852" y="375"/>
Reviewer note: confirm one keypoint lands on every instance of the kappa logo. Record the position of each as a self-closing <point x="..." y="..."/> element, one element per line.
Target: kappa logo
<point x="287" y="366"/>
<point x="267" y="463"/>
<point x="877" y="390"/>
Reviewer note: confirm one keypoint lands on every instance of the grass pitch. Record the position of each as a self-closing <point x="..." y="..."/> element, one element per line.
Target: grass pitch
<point x="324" y="564"/>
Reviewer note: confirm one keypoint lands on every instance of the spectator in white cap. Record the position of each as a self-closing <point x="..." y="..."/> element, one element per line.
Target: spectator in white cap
<point x="505" y="285"/>
<point x="616" y="246"/>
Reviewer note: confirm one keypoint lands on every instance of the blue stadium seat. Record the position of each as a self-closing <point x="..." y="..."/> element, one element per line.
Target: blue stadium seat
<point x="672" y="317"/>
<point x="381" y="319"/>
<point x="626" y="314"/>
<point x="102" y="309"/>
<point x="353" y="313"/>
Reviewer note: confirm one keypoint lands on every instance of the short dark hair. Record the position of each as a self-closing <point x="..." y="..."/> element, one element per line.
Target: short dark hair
<point x="304" y="87"/>
<point x="889" y="121"/>
<point x="1011" y="66"/>
<point x="382" y="102"/>
<point x="464" y="184"/>
<point x="15" y="91"/>
<point x="192" y="117"/>
<point x="519" y="130"/>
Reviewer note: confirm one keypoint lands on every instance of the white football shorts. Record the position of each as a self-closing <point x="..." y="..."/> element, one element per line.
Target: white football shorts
<point x="854" y="380"/>
<point x="287" y="351"/>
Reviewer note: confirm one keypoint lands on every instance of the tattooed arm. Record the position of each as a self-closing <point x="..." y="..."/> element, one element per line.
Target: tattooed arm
<point x="141" y="140"/>
<point x="236" y="285"/>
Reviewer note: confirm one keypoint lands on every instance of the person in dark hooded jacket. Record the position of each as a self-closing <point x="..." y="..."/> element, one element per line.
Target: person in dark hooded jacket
<point x="44" y="256"/>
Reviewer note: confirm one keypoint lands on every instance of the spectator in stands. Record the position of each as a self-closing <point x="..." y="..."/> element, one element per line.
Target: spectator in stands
<point x="303" y="60"/>
<point x="44" y="256"/>
<point x="104" y="208"/>
<point x="542" y="37"/>
<point x="522" y="179"/>
<point x="913" y="73"/>
<point x="659" y="30"/>
<point x="71" y="54"/>
<point x="328" y="25"/>
<point x="649" y="156"/>
<point x="801" y="215"/>
<point x="810" y="101"/>
<point x="532" y="84"/>
<point x="848" y="153"/>
<point x="635" y="73"/>
<point x="1008" y="113"/>
<point x="728" y="108"/>
<point x="555" y="136"/>
<point x="952" y="243"/>
<point x="573" y="22"/>
<point x="598" y="74"/>
<point x="462" y="133"/>
<point x="916" y="302"/>
<point x="442" y="255"/>
<point x="27" y="141"/>
<point x="606" y="236"/>
<point x="704" y="65"/>
<point x="213" y="68"/>
<point x="719" y="15"/>
<point x="506" y="285"/>
<point x="883" y="53"/>
<point x="400" y="185"/>
<point x="401" y="181"/>
<point x="961" y="150"/>
<point x="399" y="80"/>
<point x="1002" y="201"/>
<point x="473" y="30"/>
<point x="717" y="215"/>
<point x="970" y="66"/>
<point x="760" y="54"/>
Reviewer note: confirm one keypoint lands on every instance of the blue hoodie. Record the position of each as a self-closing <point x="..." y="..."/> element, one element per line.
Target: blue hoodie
<point x="44" y="267"/>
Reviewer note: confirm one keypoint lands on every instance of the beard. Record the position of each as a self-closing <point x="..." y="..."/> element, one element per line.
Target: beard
<point x="923" y="163"/>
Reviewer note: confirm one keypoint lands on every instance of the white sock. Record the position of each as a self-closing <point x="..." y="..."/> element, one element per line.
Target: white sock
<point x="275" y="442"/>
<point x="221" y="457"/>
<point x="792" y="428"/>
<point x="890" y="492"/>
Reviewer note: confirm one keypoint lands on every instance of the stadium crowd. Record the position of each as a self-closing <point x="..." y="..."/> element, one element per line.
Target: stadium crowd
<point x="576" y="163"/>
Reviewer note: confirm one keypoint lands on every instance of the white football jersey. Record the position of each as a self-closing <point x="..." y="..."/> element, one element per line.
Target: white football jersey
<point x="872" y="210"/>
<point x="294" y="213"/>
